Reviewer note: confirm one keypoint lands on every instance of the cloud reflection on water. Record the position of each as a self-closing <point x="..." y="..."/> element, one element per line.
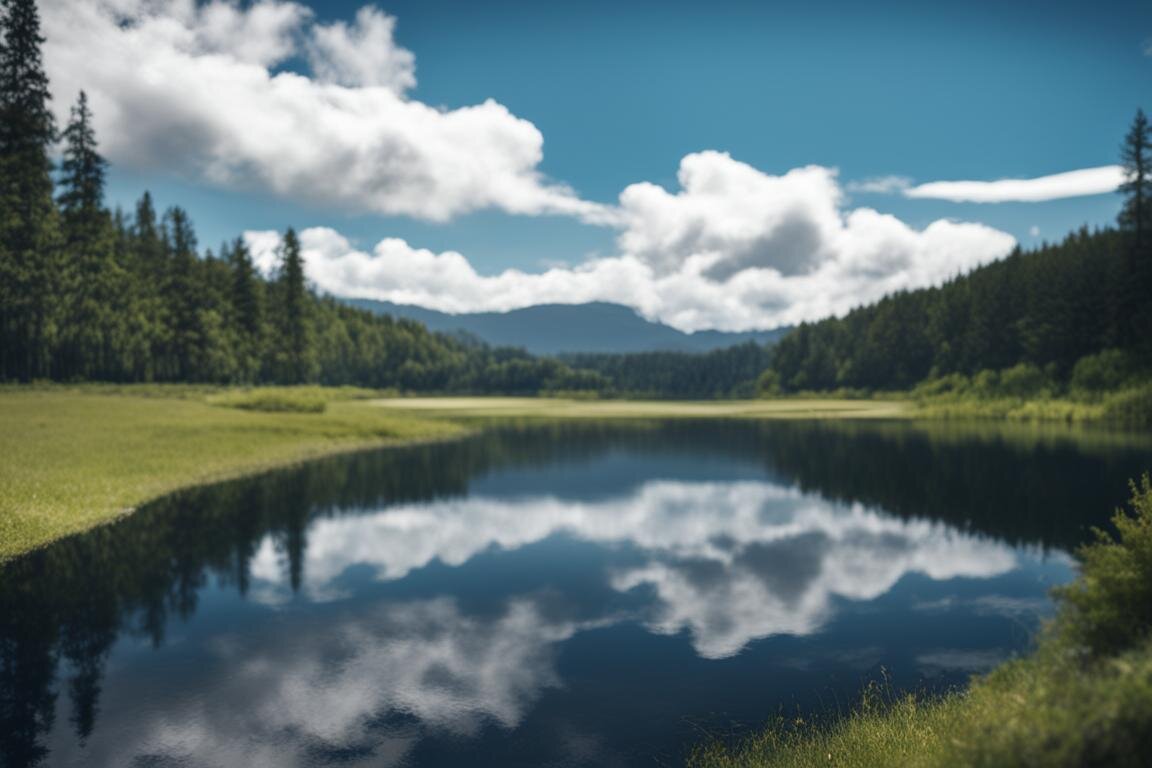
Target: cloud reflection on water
<point x="729" y="562"/>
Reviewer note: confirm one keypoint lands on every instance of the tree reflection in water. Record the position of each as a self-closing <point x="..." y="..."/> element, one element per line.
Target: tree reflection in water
<point x="63" y="609"/>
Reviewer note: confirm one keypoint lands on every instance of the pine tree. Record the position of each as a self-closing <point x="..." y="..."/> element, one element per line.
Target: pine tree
<point x="1136" y="158"/>
<point x="29" y="266"/>
<point x="94" y="285"/>
<point x="183" y="298"/>
<point x="81" y="199"/>
<point x="245" y="289"/>
<point x="298" y="359"/>
<point x="248" y="307"/>
<point x="1133" y="322"/>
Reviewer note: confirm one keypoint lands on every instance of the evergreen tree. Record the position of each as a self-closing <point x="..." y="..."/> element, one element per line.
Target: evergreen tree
<point x="246" y="290"/>
<point x="1134" y="319"/>
<point x="29" y="268"/>
<point x="298" y="359"/>
<point x="248" y="308"/>
<point x="81" y="198"/>
<point x="94" y="285"/>
<point x="183" y="298"/>
<point x="1136" y="158"/>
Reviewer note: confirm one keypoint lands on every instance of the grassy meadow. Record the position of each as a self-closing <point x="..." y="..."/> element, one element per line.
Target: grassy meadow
<point x="561" y="408"/>
<point x="71" y="459"/>
<point x="75" y="457"/>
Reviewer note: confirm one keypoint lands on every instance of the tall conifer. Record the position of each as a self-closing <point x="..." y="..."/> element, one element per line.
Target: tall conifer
<point x="299" y="358"/>
<point x="29" y="266"/>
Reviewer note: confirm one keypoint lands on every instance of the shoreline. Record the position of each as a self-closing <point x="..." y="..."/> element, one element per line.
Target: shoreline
<point x="73" y="458"/>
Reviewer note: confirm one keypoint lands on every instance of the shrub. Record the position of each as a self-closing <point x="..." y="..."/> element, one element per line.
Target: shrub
<point x="1109" y="608"/>
<point x="768" y="385"/>
<point x="986" y="383"/>
<point x="950" y="384"/>
<point x="1023" y="380"/>
<point x="1105" y="371"/>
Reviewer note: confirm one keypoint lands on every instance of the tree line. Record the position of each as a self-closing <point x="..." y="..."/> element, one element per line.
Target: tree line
<point x="1035" y="315"/>
<point x="87" y="293"/>
<point x="719" y="373"/>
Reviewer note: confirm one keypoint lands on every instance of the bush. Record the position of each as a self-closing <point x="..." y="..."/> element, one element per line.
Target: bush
<point x="1103" y="372"/>
<point x="986" y="383"/>
<point x="1023" y="380"/>
<point x="1109" y="608"/>
<point x="949" y="384"/>
<point x="768" y="385"/>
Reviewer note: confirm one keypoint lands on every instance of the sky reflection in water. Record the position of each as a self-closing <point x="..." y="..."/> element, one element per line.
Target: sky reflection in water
<point x="575" y="596"/>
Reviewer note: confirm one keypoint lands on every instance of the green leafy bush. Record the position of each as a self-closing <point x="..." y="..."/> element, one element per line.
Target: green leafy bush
<point x="1109" y="608"/>
<point x="1105" y="371"/>
<point x="1023" y="380"/>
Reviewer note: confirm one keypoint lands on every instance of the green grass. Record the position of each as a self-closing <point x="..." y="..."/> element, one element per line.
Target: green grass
<point x="73" y="458"/>
<point x="306" y="399"/>
<point x="1083" y="698"/>
<point x="570" y="408"/>
<point x="1129" y="408"/>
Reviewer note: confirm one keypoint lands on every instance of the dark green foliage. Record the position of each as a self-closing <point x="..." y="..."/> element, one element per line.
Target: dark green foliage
<point x="296" y="362"/>
<point x="29" y="237"/>
<point x="730" y="372"/>
<point x="81" y="197"/>
<point x="93" y="311"/>
<point x="87" y="295"/>
<point x="1105" y="371"/>
<point x="1136" y="157"/>
<point x="1109" y="609"/>
<point x="1045" y="309"/>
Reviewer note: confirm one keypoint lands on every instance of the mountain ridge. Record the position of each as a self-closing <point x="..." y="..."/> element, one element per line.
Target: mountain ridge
<point x="560" y="329"/>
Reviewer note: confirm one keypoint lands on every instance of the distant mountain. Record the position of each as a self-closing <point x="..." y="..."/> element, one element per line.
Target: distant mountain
<point x="557" y="329"/>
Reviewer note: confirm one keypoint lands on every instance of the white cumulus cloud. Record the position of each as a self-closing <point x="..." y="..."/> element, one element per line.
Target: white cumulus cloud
<point x="734" y="248"/>
<point x="1086" y="181"/>
<point x="198" y="89"/>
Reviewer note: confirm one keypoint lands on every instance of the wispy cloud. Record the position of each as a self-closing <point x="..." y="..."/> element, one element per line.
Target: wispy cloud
<point x="1087" y="181"/>
<point x="881" y="185"/>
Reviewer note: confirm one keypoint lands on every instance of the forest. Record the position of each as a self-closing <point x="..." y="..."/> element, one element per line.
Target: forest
<point x="1072" y="314"/>
<point x="92" y="294"/>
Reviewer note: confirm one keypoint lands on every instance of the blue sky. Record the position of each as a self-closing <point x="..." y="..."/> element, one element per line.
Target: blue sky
<point x="622" y="92"/>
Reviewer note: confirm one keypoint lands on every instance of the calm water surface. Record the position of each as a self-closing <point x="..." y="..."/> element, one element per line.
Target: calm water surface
<point x="577" y="595"/>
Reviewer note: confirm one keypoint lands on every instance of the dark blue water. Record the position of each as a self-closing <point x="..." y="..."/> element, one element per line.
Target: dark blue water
<point x="580" y="595"/>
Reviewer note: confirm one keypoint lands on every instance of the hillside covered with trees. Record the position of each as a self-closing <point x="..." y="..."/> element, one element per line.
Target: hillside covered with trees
<point x="89" y="294"/>
<point x="1077" y="312"/>
<point x="92" y="294"/>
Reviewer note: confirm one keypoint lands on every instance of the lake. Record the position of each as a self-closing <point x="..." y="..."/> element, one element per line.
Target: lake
<point x="580" y="594"/>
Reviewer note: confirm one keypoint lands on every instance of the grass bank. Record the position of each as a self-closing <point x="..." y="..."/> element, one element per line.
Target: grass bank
<point x="74" y="457"/>
<point x="71" y="459"/>
<point x="560" y="408"/>
<point x="1084" y="697"/>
